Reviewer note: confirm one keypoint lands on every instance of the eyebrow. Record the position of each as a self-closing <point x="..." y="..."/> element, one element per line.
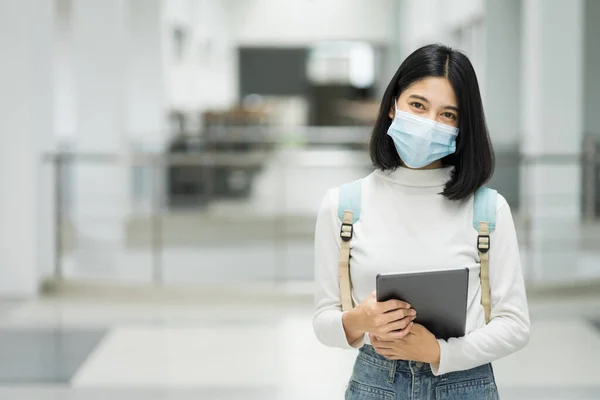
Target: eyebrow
<point x="453" y="108"/>
<point x="418" y="97"/>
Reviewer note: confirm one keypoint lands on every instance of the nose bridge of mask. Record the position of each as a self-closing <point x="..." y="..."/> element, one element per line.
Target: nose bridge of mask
<point x="423" y="130"/>
<point x="429" y="123"/>
<point x="415" y="128"/>
<point x="451" y="130"/>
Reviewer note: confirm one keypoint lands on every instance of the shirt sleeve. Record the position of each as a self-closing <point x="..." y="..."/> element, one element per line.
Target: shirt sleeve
<point x="508" y="329"/>
<point x="327" y="321"/>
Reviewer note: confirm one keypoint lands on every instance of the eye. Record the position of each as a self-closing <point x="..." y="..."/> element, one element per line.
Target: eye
<point x="449" y="115"/>
<point x="418" y="105"/>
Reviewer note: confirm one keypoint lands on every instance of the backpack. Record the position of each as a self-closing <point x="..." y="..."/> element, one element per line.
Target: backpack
<point x="484" y="222"/>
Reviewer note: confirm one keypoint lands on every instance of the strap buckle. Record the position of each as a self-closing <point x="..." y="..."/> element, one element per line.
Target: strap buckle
<point x="346" y="232"/>
<point x="483" y="243"/>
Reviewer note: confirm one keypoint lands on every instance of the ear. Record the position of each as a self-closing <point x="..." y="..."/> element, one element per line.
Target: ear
<point x="392" y="113"/>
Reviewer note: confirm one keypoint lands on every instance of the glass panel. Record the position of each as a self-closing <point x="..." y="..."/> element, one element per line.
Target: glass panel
<point x="102" y="232"/>
<point x="231" y="211"/>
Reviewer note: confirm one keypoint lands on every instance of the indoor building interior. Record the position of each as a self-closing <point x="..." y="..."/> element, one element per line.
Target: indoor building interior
<point x="162" y="163"/>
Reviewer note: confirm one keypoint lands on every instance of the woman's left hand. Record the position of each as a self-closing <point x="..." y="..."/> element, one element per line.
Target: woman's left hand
<point x="419" y="345"/>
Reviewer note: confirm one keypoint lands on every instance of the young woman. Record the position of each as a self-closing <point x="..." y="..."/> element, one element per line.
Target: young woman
<point x="432" y="151"/>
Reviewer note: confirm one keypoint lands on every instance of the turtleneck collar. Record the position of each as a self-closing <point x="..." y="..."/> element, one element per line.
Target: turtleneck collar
<point x="418" y="177"/>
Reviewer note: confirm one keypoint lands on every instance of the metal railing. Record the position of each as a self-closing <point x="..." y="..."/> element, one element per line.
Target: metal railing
<point x="211" y="159"/>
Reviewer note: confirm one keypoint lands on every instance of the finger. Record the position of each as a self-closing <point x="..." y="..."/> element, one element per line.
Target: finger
<point x="384" y="352"/>
<point x="373" y="339"/>
<point x="378" y="341"/>
<point x="395" y="335"/>
<point x="390" y="355"/>
<point x="392" y="327"/>
<point x="398" y="325"/>
<point x="397" y="315"/>
<point x="383" y="345"/>
<point x="392" y="305"/>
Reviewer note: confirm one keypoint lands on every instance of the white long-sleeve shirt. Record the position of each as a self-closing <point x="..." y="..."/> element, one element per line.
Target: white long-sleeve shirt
<point x="405" y="226"/>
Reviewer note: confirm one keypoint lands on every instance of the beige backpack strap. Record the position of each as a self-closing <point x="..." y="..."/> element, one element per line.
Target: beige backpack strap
<point x="483" y="247"/>
<point x="346" y="234"/>
<point x="484" y="222"/>
<point x="348" y="213"/>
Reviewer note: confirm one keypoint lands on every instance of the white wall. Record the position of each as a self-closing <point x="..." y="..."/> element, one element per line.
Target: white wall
<point x="420" y="24"/>
<point x="206" y="76"/>
<point x="26" y="28"/>
<point x="486" y="31"/>
<point x="179" y="13"/>
<point x="430" y="21"/>
<point x="217" y="69"/>
<point x="457" y="23"/>
<point x="592" y="68"/>
<point x="146" y="116"/>
<point x="302" y="22"/>
<point x="65" y="106"/>
<point x="552" y="120"/>
<point x="500" y="84"/>
<point x="460" y="12"/>
<point x="552" y="67"/>
<point x="144" y="99"/>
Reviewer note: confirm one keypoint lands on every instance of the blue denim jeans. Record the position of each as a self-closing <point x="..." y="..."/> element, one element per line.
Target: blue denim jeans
<point x="377" y="378"/>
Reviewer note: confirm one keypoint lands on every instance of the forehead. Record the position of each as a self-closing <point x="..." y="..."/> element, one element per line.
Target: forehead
<point x="436" y="89"/>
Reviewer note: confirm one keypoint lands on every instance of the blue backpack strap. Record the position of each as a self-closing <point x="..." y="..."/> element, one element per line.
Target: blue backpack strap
<point x="350" y="199"/>
<point x="348" y="212"/>
<point x="484" y="222"/>
<point x="484" y="207"/>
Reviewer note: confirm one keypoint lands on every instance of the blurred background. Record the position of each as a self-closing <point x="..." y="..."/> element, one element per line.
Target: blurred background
<point x="162" y="163"/>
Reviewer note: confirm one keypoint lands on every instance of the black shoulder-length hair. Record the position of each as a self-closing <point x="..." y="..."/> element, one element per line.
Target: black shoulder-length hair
<point x="473" y="160"/>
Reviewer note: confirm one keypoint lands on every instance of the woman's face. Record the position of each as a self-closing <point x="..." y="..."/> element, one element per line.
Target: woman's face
<point x="432" y="98"/>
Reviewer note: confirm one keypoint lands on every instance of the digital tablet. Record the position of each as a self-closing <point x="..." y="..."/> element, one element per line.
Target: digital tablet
<point x="439" y="297"/>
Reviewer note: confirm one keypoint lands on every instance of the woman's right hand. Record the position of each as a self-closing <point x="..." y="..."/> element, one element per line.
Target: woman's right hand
<point x="387" y="320"/>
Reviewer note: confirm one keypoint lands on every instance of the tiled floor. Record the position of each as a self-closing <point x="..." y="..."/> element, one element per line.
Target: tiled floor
<point x="165" y="349"/>
<point x="44" y="355"/>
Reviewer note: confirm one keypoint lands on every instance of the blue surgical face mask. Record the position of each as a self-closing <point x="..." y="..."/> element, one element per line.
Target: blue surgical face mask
<point x="421" y="141"/>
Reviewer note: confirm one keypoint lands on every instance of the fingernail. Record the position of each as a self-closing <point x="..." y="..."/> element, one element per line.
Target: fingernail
<point x="408" y="306"/>
<point x="413" y="312"/>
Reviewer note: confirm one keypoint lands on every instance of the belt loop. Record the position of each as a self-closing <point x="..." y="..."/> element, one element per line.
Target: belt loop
<point x="392" y="375"/>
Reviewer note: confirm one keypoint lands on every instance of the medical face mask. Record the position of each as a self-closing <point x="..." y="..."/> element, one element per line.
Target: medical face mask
<point x="421" y="141"/>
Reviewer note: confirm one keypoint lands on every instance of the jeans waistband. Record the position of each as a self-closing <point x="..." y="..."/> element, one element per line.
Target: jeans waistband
<point x="368" y="354"/>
